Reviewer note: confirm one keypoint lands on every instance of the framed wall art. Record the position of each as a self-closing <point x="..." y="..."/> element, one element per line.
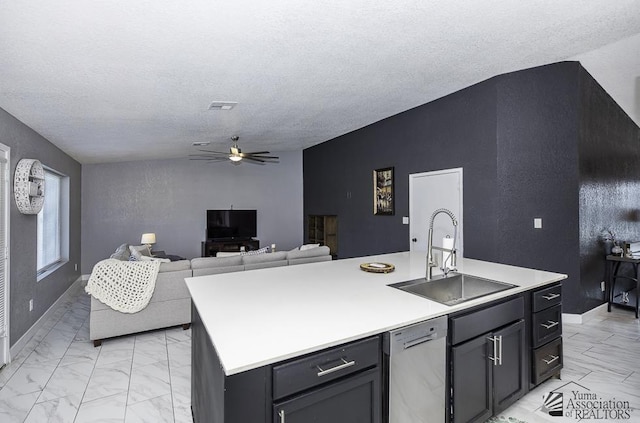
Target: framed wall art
<point x="383" y="191"/>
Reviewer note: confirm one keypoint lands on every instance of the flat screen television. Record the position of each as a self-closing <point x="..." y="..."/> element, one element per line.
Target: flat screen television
<point x="231" y="224"/>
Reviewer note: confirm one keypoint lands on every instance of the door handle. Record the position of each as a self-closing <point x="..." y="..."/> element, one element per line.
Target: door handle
<point x="497" y="350"/>
<point x="414" y="239"/>
<point x="494" y="341"/>
<point x="551" y="324"/>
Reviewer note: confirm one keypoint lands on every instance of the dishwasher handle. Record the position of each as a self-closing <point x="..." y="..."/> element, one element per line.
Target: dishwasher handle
<point x="418" y="341"/>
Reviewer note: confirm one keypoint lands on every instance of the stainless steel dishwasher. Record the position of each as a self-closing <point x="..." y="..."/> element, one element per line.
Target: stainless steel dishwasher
<point x="417" y="371"/>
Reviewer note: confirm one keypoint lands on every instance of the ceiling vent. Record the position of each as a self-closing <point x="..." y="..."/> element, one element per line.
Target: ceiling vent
<point x="200" y="143"/>
<point x="222" y="105"/>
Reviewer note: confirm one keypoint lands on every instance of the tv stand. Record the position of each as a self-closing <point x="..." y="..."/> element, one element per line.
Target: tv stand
<point x="212" y="247"/>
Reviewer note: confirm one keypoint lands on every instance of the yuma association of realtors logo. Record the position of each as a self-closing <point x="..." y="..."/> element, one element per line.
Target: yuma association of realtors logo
<point x="584" y="405"/>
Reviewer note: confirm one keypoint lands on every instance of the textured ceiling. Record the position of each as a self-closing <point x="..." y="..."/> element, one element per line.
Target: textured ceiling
<point x="116" y="80"/>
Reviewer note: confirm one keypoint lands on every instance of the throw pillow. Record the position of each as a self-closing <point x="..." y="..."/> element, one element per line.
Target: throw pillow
<point x="121" y="253"/>
<point x="309" y="246"/>
<point x="142" y="249"/>
<point x="136" y="255"/>
<point x="256" y="252"/>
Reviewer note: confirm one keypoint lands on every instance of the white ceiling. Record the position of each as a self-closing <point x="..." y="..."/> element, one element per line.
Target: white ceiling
<point x="115" y="80"/>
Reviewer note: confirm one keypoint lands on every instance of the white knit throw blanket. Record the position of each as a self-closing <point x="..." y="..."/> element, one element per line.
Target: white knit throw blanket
<point x="125" y="286"/>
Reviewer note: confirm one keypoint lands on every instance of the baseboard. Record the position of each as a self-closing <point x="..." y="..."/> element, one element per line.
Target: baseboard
<point x="579" y="319"/>
<point x="24" y="339"/>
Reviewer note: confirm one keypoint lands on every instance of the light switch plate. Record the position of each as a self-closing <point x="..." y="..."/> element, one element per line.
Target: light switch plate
<point x="405" y="220"/>
<point x="537" y="223"/>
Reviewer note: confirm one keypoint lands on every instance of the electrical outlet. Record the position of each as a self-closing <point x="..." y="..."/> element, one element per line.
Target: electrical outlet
<point x="602" y="286"/>
<point x="31" y="304"/>
<point x="75" y="267"/>
<point x="537" y="223"/>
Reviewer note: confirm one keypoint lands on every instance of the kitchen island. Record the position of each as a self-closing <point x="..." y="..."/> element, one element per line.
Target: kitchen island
<point x="245" y="323"/>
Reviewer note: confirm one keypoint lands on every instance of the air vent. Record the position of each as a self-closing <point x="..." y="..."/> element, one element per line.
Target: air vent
<point x="222" y="105"/>
<point x="200" y="143"/>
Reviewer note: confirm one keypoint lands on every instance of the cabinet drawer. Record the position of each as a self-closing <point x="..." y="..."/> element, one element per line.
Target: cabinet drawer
<point x="547" y="360"/>
<point x="547" y="297"/>
<point x="482" y="321"/>
<point x="304" y="373"/>
<point x="547" y="325"/>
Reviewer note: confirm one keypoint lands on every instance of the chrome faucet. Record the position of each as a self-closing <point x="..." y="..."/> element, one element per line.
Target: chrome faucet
<point x="431" y="263"/>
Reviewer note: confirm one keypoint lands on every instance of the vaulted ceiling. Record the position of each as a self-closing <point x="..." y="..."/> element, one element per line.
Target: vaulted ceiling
<point x="116" y="80"/>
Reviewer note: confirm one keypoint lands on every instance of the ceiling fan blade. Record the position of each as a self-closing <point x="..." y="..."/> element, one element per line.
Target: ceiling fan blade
<point x="208" y="156"/>
<point x="263" y="157"/>
<point x="257" y="152"/>
<point x="213" y="152"/>
<point x="254" y="159"/>
<point x="209" y="159"/>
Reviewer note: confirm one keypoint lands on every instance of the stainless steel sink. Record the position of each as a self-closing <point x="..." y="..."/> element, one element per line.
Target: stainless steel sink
<point x="453" y="289"/>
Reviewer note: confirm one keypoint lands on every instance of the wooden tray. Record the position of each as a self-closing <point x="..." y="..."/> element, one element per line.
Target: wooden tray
<point x="377" y="267"/>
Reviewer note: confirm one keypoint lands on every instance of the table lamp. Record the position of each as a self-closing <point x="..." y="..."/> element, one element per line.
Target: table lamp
<point x="148" y="239"/>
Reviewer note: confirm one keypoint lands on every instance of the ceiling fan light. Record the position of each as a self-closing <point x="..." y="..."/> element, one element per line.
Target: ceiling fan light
<point x="235" y="158"/>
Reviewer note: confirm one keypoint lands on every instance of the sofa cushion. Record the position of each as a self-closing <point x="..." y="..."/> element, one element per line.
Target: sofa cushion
<point x="173" y="266"/>
<point x="262" y="250"/>
<point x="264" y="258"/>
<point x="308" y="246"/>
<point x="121" y="253"/>
<point x="205" y="262"/>
<point x="311" y="252"/>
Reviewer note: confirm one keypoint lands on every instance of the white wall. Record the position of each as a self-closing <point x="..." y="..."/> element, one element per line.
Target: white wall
<point x="120" y="201"/>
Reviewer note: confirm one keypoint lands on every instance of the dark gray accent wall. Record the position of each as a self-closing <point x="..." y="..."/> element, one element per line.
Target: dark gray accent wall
<point x="538" y="171"/>
<point x="456" y="131"/>
<point x="609" y="195"/>
<point x="121" y="201"/>
<point x="545" y="142"/>
<point x="27" y="144"/>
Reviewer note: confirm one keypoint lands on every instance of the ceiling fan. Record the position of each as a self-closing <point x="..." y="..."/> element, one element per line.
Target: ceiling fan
<point x="235" y="155"/>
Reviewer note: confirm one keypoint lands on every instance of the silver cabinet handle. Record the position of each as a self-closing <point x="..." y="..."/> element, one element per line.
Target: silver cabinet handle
<point x="551" y="324"/>
<point x="500" y="351"/>
<point x="344" y="365"/>
<point x="281" y="414"/>
<point x="551" y="296"/>
<point x="554" y="358"/>
<point x="494" y="358"/>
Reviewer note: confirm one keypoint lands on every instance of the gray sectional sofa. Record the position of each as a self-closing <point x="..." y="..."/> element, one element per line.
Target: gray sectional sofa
<point x="170" y="304"/>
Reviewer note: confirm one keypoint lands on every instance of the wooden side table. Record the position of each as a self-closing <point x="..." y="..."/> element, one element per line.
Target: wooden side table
<point x="613" y="267"/>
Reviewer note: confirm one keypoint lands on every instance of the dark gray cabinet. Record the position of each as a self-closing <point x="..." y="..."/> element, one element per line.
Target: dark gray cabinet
<point x="488" y="367"/>
<point x="354" y="399"/>
<point x="338" y="385"/>
<point x="546" y="333"/>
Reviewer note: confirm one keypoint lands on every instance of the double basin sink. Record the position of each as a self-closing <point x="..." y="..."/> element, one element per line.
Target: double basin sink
<point x="455" y="288"/>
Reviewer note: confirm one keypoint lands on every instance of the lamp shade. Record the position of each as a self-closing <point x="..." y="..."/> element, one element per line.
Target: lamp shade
<point x="148" y="238"/>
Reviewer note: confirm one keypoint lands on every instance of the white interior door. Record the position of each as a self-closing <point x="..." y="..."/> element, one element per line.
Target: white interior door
<point x="4" y="255"/>
<point x="428" y="192"/>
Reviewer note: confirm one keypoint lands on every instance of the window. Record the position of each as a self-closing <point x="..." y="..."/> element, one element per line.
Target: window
<point x="53" y="224"/>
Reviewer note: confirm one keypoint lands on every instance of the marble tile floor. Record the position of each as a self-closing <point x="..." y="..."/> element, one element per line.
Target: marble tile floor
<point x="60" y="377"/>
<point x="601" y="364"/>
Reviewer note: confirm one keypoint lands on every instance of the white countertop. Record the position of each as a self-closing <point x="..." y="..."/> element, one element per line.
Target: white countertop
<point x="260" y="317"/>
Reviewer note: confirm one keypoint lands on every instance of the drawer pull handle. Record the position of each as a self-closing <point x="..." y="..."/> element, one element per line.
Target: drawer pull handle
<point x="550" y="325"/>
<point x="554" y="358"/>
<point x="344" y="365"/>
<point x="551" y="296"/>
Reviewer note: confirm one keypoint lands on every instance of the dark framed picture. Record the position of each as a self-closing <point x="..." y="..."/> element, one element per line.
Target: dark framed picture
<point x="383" y="191"/>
